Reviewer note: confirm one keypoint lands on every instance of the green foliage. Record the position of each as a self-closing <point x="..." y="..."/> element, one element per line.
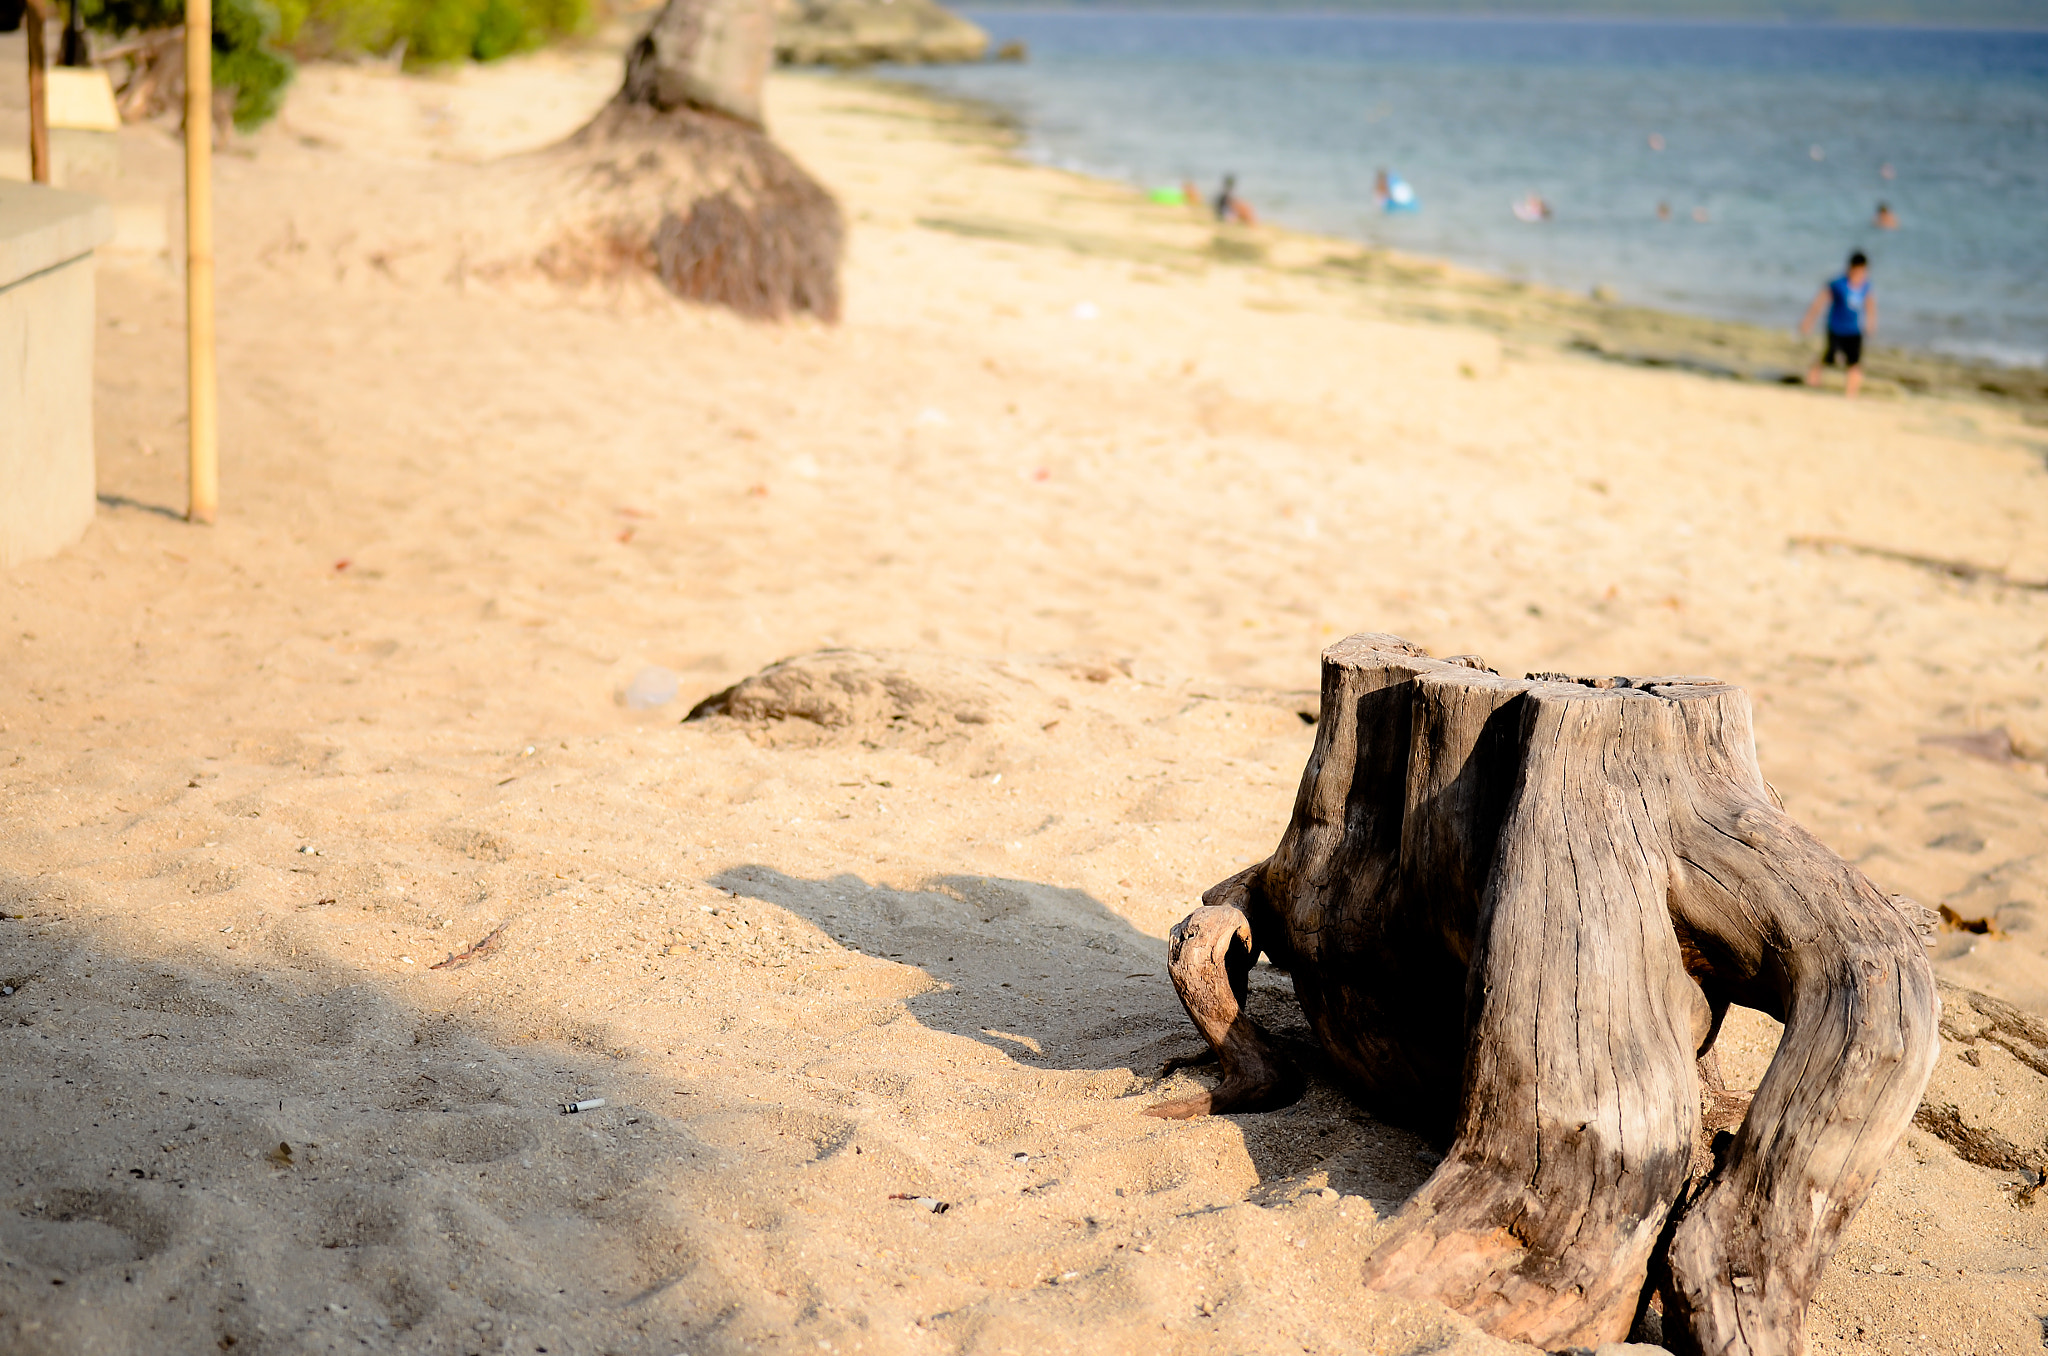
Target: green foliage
<point x="125" y="16"/>
<point x="432" y="30"/>
<point x="245" y="54"/>
<point x="245" y="60"/>
<point x="254" y="40"/>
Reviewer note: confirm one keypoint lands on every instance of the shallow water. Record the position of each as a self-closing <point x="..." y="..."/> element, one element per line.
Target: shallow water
<point x="1779" y="135"/>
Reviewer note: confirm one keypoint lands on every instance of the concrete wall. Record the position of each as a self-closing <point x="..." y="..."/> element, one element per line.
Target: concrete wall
<point x="47" y="237"/>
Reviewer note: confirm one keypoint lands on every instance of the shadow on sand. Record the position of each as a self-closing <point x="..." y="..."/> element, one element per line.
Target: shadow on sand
<point x="122" y="501"/>
<point x="1054" y="979"/>
<point x="279" y="1152"/>
<point x="284" y="1156"/>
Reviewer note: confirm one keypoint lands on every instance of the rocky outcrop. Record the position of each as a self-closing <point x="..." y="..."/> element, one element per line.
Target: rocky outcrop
<point x="864" y="32"/>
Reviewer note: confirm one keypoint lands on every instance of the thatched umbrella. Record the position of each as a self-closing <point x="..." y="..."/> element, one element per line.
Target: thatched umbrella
<point x="677" y="175"/>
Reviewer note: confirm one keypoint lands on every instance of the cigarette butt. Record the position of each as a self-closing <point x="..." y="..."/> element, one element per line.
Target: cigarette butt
<point x="589" y="1104"/>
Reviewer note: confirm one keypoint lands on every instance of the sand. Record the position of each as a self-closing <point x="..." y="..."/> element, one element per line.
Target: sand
<point x="1089" y="487"/>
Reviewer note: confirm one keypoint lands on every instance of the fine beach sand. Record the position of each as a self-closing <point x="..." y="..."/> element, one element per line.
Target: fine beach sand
<point x="1081" y="488"/>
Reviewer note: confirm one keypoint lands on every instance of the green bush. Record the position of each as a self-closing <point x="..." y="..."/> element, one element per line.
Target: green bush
<point x="246" y="60"/>
<point x="245" y="54"/>
<point x="254" y="41"/>
<point x="432" y="30"/>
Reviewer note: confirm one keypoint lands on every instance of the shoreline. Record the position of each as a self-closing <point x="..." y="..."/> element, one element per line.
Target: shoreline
<point x="1409" y="286"/>
<point x="1479" y="14"/>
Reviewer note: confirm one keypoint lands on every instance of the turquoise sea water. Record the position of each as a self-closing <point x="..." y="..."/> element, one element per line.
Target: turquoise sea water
<point x="1778" y="135"/>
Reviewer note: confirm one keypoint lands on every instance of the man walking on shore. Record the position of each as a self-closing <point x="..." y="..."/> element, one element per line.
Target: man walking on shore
<point x="1852" y="313"/>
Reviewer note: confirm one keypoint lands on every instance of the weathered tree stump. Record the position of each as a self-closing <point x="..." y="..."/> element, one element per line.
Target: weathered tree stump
<point x="1515" y="913"/>
<point x="678" y="177"/>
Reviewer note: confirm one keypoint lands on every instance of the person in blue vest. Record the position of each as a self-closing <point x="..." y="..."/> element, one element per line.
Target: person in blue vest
<point x="1852" y="313"/>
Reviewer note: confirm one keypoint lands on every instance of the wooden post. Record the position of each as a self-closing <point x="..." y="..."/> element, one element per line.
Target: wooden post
<point x="38" y="95"/>
<point x="203" y="499"/>
<point x="1515" y="912"/>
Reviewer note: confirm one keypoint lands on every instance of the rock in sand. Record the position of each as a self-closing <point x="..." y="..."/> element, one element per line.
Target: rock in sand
<point x="864" y="32"/>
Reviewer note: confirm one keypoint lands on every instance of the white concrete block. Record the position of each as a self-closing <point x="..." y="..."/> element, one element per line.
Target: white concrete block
<point x="47" y="237"/>
<point x="82" y="99"/>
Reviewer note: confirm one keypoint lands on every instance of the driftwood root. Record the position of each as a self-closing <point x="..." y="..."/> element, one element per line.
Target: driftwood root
<point x="1210" y="954"/>
<point x="711" y="206"/>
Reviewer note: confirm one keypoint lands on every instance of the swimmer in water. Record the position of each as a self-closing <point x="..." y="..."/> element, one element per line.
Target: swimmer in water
<point x="1852" y="313"/>
<point x="1391" y="193"/>
<point x="1886" y="219"/>
<point x="1231" y="208"/>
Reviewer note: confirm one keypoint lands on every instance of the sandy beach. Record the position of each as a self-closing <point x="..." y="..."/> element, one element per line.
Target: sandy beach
<point x="336" y="862"/>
